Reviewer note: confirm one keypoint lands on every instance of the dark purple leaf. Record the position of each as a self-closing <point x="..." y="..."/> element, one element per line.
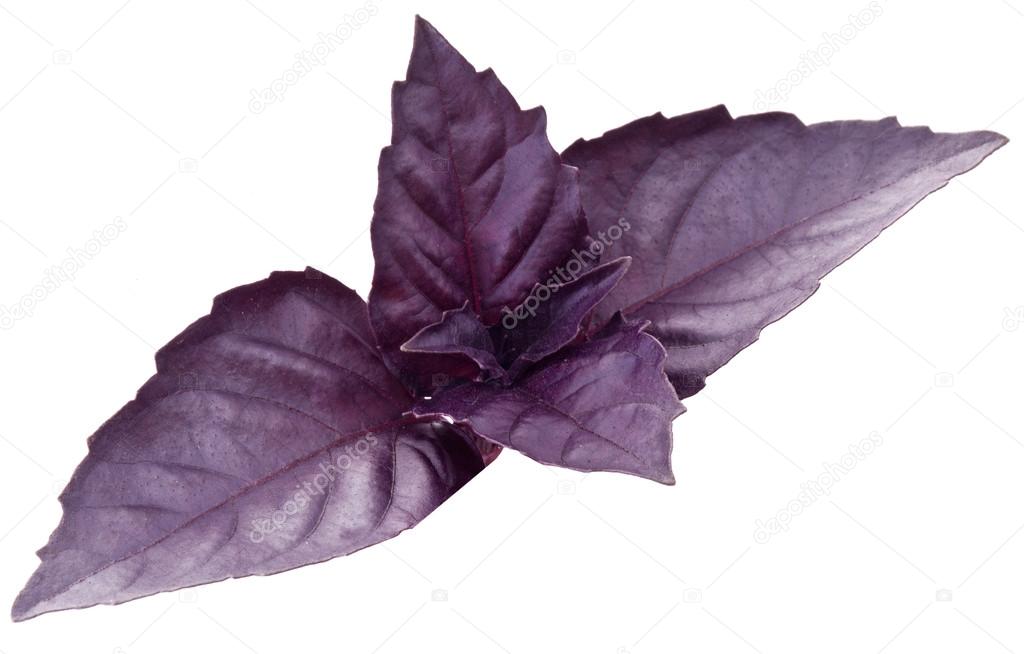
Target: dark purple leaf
<point x="271" y="437"/>
<point x="553" y="315"/>
<point x="473" y="204"/>
<point x="602" y="405"/>
<point x="459" y="333"/>
<point x="733" y="222"/>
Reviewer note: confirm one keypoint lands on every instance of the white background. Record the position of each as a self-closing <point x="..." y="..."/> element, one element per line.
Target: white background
<point x="140" y="110"/>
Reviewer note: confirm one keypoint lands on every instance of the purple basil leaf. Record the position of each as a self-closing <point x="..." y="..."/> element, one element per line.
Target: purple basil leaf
<point x="473" y="204"/>
<point x="554" y="315"/>
<point x="603" y="405"/>
<point x="459" y="333"/>
<point x="733" y="222"/>
<point x="271" y="437"/>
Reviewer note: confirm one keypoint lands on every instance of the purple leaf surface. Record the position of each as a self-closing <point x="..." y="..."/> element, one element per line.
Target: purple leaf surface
<point x="540" y="327"/>
<point x="552" y="317"/>
<point x="271" y="437"/>
<point x="603" y="405"/>
<point x="459" y="333"/>
<point x="735" y="221"/>
<point x="473" y="204"/>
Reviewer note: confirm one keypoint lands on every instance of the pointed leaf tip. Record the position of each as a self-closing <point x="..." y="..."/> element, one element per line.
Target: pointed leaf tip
<point x="473" y="203"/>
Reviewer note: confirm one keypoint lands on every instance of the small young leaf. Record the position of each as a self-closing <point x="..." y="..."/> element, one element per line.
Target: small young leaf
<point x="539" y="328"/>
<point x="552" y="317"/>
<point x="459" y="333"/>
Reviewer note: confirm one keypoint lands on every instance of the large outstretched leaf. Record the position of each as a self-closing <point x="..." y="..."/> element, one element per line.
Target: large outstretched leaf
<point x="733" y="222"/>
<point x="473" y="204"/>
<point x="271" y="437"/>
<point x="602" y="405"/>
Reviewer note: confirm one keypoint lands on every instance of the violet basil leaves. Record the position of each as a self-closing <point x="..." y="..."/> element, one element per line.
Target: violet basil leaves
<point x="521" y="299"/>
<point x="602" y="405"/>
<point x="473" y="204"/>
<point x="271" y="437"/>
<point x="735" y="220"/>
